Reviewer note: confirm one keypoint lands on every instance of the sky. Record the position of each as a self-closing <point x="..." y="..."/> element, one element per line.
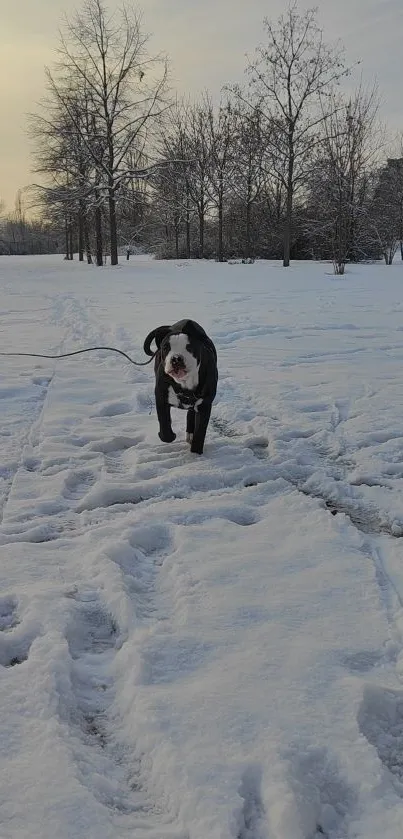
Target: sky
<point x="206" y="44"/>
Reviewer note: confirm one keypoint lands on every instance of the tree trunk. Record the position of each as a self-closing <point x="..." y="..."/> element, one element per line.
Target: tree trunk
<point x="287" y="240"/>
<point x="288" y="215"/>
<point x="188" y="248"/>
<point x="220" y="228"/>
<point x="66" y="238"/>
<point x="201" y="234"/>
<point x="71" y="248"/>
<point x="81" y="235"/>
<point x="176" y="239"/>
<point x="248" y="249"/>
<point x="98" y="237"/>
<point x="87" y="245"/>
<point x="113" y="226"/>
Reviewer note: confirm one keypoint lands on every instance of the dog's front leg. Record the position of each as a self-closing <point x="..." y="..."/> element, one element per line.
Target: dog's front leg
<point x="190" y="424"/>
<point x="202" y="417"/>
<point x="164" y="418"/>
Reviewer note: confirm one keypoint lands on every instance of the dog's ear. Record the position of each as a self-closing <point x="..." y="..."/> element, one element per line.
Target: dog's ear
<point x="156" y="335"/>
<point x="194" y="330"/>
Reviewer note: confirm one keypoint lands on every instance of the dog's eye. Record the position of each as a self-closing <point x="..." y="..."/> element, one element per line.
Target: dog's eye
<point x="192" y="350"/>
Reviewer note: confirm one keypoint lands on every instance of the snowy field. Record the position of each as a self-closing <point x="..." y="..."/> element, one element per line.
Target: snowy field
<point x="202" y="647"/>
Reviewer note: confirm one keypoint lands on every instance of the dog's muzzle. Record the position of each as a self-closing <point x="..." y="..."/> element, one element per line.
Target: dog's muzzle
<point x="177" y="367"/>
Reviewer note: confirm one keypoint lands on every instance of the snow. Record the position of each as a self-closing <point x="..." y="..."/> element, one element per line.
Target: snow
<point x="202" y="646"/>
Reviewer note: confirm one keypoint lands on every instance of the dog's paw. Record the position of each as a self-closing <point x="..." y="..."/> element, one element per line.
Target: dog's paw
<point x="195" y="449"/>
<point x="167" y="437"/>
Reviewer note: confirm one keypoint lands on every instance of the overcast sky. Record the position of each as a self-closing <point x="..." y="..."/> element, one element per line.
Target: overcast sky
<point x="206" y="44"/>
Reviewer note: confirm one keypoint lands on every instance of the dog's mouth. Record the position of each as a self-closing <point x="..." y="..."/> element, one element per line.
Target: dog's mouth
<point x="177" y="371"/>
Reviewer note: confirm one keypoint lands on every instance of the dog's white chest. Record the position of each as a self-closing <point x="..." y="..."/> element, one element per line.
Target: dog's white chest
<point x="173" y="399"/>
<point x="185" y="400"/>
<point x="191" y="380"/>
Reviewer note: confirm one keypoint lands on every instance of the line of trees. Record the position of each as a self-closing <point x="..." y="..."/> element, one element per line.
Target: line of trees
<point x="22" y="235"/>
<point x="286" y="166"/>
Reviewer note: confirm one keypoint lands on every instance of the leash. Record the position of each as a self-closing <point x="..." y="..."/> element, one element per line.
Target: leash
<point x="77" y="352"/>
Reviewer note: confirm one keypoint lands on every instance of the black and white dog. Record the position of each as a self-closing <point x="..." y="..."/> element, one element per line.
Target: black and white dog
<point x="185" y="377"/>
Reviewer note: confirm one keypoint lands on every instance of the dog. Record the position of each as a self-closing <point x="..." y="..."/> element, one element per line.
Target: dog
<point x="186" y="377"/>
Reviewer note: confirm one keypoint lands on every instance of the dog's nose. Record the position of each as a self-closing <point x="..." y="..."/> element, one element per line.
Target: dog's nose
<point x="177" y="361"/>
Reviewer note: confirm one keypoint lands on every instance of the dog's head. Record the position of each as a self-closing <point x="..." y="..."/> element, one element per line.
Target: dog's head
<point x="180" y="348"/>
<point x="181" y="358"/>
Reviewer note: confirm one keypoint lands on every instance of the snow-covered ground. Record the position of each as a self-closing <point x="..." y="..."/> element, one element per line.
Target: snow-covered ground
<point x="202" y="647"/>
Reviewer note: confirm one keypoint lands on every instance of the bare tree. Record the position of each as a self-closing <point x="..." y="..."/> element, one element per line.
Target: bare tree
<point x="398" y="187"/>
<point x="170" y="184"/>
<point x="221" y="129"/>
<point x="22" y="235"/>
<point x="180" y="149"/>
<point x="62" y="158"/>
<point x="290" y="79"/>
<point x="339" y="186"/>
<point x="127" y="90"/>
<point x="386" y="213"/>
<point x="133" y="201"/>
<point x="249" y="175"/>
<point x="199" y="157"/>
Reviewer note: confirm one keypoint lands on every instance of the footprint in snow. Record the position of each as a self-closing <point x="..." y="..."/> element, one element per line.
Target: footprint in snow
<point x="92" y="629"/>
<point x="42" y="381"/>
<point x="151" y="539"/>
<point x="114" y="409"/>
<point x="363" y="661"/>
<point x="323" y="797"/>
<point x="32" y="464"/>
<point x="8" y="612"/>
<point x="77" y="484"/>
<point x="243" y="516"/>
<point x="253" y="814"/>
<point x="380" y="719"/>
<point x="15" y="644"/>
<point x="116" y="445"/>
